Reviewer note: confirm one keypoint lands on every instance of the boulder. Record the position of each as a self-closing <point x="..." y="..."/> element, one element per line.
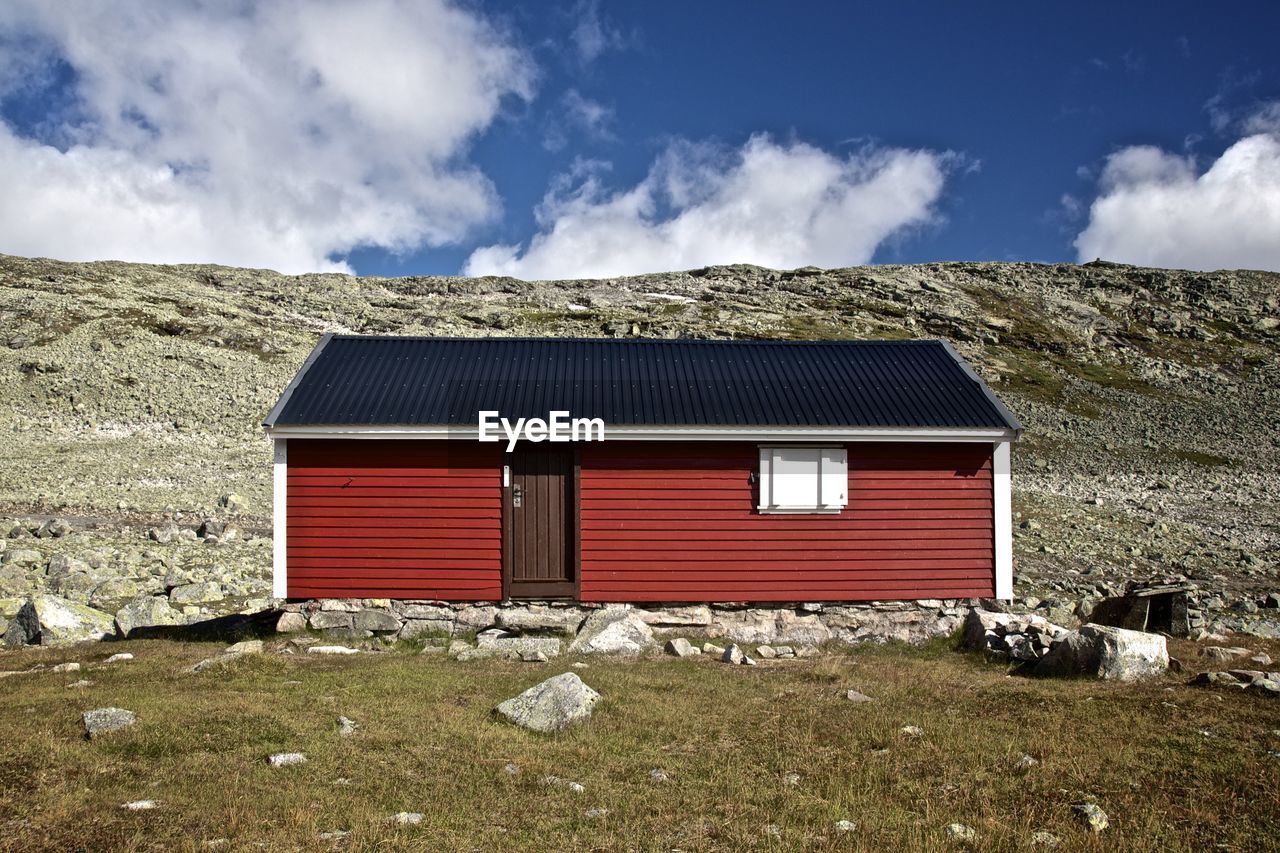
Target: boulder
<point x="48" y="620"/>
<point x="1021" y="637"/>
<point x="103" y="720"/>
<point x="552" y="705"/>
<point x="325" y="619"/>
<point x="291" y="623"/>
<point x="25" y="558"/>
<point x="540" y="618"/>
<point x="682" y="648"/>
<point x="232" y="503"/>
<point x="1224" y="652"/>
<point x="210" y="529"/>
<point x="414" y="628"/>
<point x="1101" y="651"/>
<point x="147" y="611"/>
<point x="54" y="528"/>
<point x="476" y="617"/>
<point x="113" y="590"/>
<point x="163" y="534"/>
<point x="377" y="621"/>
<point x="769" y="625"/>
<point x="196" y="593"/>
<point x="690" y="616"/>
<point x="613" y="631"/>
<point x="24" y="628"/>
<point x="519" y="648"/>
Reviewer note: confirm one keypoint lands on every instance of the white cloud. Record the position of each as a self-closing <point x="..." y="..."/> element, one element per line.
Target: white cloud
<point x="1265" y="119"/>
<point x="577" y="113"/>
<point x="1157" y="209"/>
<point x="276" y="135"/>
<point x="777" y="205"/>
<point x="592" y="35"/>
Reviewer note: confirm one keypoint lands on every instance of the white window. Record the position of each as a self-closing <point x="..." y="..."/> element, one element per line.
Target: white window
<point x="803" y="479"/>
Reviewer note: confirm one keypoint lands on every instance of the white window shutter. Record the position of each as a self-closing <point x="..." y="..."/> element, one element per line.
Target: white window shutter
<point x="834" y="478"/>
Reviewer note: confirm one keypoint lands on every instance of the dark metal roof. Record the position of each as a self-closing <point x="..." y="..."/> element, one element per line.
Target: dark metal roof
<point x="358" y="380"/>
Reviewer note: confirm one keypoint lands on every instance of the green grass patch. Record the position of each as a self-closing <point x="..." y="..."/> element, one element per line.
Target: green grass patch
<point x="727" y="737"/>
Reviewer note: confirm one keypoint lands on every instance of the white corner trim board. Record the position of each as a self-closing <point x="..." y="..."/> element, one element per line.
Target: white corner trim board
<point x="1002" y="509"/>
<point x="280" y="518"/>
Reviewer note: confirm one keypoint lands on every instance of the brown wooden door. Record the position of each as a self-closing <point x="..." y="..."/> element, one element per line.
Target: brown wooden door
<point x="540" y="515"/>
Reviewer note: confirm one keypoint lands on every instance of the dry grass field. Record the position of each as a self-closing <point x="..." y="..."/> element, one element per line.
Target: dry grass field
<point x="1175" y="767"/>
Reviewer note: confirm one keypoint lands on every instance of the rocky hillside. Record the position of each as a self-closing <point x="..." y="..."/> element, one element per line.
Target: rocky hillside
<point x="131" y="393"/>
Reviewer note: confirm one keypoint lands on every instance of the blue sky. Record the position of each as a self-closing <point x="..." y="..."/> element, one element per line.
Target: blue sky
<point x="603" y="138"/>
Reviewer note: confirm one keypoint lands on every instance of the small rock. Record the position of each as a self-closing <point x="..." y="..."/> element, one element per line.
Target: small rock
<point x="102" y="720"/>
<point x="1224" y="652"/>
<point x="81" y="683"/>
<point x="791" y="779"/>
<point x="120" y="657"/>
<point x="856" y="697"/>
<point x="1025" y="763"/>
<point x="331" y="650"/>
<point x="682" y="648"/>
<point x="534" y="656"/>
<point x="712" y="649"/>
<point x="347" y="726"/>
<point x="960" y="832"/>
<point x="337" y="837"/>
<point x="912" y="731"/>
<point x="766" y="652"/>
<point x="658" y="775"/>
<point x="407" y="818"/>
<point x="1040" y="838"/>
<point x="140" y="805"/>
<point x="1263" y="659"/>
<point x="287" y="759"/>
<point x="845" y="826"/>
<point x="232" y="503"/>
<point x="553" y="781"/>
<point x="70" y="666"/>
<point x="595" y="813"/>
<point x="733" y="655"/>
<point x="1093" y="816"/>
<point x="511" y="769"/>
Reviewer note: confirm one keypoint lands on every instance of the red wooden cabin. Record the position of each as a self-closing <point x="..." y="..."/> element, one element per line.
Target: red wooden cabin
<point x="728" y="471"/>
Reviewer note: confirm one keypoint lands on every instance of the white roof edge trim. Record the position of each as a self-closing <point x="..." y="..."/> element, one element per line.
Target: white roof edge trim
<point x="1009" y="416"/>
<point x="297" y="380"/>
<point x="689" y="433"/>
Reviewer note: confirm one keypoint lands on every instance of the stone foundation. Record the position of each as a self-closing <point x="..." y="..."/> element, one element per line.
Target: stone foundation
<point x="801" y="624"/>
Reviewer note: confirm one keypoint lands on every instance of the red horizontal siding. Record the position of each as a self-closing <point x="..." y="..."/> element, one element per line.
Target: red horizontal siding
<point x="664" y="522"/>
<point x="394" y="519"/>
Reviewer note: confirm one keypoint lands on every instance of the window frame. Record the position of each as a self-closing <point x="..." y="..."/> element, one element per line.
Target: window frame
<point x="765" y="474"/>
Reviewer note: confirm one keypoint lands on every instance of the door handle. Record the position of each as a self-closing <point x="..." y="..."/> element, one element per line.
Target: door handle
<point x="517" y="496"/>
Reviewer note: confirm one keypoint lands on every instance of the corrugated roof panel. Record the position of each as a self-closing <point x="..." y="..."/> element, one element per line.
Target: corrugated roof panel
<point x="358" y="380"/>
